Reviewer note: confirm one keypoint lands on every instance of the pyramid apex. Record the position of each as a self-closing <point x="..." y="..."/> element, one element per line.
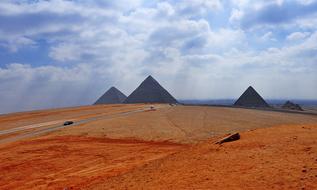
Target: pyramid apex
<point x="150" y="91"/>
<point x="111" y="96"/>
<point x="113" y="88"/>
<point x="251" y="98"/>
<point x="149" y="77"/>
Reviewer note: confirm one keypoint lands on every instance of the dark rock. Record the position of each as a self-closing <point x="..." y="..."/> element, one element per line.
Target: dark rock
<point x="292" y="106"/>
<point x="250" y="98"/>
<point x="150" y="91"/>
<point x="68" y="123"/>
<point x="229" y="138"/>
<point x="112" y="96"/>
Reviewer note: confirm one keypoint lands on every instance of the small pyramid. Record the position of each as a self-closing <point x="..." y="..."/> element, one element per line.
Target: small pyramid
<point x="292" y="106"/>
<point x="112" y="96"/>
<point x="250" y="98"/>
<point x="150" y="91"/>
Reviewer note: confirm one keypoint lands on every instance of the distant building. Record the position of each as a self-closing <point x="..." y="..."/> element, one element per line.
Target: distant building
<point x="150" y="91"/>
<point x="292" y="106"/>
<point x="112" y="96"/>
<point x="250" y="98"/>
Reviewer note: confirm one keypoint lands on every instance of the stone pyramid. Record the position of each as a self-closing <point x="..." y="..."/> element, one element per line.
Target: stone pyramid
<point x="150" y="91"/>
<point x="112" y="96"/>
<point x="250" y="98"/>
<point x="292" y="106"/>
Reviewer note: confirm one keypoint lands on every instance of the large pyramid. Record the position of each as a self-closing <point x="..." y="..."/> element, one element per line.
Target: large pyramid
<point x="250" y="98"/>
<point x="150" y="91"/>
<point x="112" y="96"/>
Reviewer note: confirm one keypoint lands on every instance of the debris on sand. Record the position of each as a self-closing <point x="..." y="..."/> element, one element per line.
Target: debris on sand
<point x="292" y="106"/>
<point x="68" y="123"/>
<point x="229" y="138"/>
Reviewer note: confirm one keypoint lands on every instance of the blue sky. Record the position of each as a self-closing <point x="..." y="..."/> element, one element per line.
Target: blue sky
<point x="65" y="53"/>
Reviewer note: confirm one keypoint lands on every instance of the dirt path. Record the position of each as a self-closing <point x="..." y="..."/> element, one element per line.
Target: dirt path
<point x="60" y="125"/>
<point x="13" y="120"/>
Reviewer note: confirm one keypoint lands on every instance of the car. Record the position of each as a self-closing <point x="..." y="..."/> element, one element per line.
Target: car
<point x="68" y="123"/>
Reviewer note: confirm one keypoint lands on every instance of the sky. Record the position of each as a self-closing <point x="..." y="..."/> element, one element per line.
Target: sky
<point x="57" y="53"/>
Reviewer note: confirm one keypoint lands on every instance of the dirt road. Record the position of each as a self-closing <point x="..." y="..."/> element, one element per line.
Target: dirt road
<point x="59" y="125"/>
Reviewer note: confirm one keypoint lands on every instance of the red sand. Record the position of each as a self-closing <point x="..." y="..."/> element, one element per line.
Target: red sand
<point x="84" y="156"/>
<point x="282" y="157"/>
<point x="50" y="163"/>
<point x="273" y="158"/>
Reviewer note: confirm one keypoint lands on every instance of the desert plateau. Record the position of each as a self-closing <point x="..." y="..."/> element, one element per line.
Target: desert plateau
<point x="158" y="95"/>
<point x="136" y="146"/>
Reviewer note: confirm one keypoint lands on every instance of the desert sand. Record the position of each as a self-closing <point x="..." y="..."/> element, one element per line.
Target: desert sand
<point x="185" y="124"/>
<point x="283" y="157"/>
<point x="169" y="147"/>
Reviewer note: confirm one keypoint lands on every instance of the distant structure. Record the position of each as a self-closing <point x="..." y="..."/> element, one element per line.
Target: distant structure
<point x="150" y="91"/>
<point x="112" y="96"/>
<point x="292" y="106"/>
<point x="250" y="98"/>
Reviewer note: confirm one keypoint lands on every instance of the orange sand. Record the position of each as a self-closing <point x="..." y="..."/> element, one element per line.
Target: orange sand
<point x="55" y="163"/>
<point x="143" y="150"/>
<point x="282" y="157"/>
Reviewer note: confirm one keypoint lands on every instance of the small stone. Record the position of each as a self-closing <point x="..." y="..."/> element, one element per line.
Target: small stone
<point x="229" y="138"/>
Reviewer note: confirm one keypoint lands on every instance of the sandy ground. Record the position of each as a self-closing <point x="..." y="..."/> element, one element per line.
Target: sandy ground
<point x="185" y="124"/>
<point x="56" y="163"/>
<point x="9" y="121"/>
<point x="283" y="157"/>
<point x="169" y="148"/>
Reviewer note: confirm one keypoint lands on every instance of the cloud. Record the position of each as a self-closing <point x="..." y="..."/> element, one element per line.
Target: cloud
<point x="15" y="43"/>
<point x="196" y="49"/>
<point x="268" y="37"/>
<point x="24" y="87"/>
<point x="297" y="36"/>
<point x="277" y="13"/>
<point x="197" y="8"/>
<point x="236" y="15"/>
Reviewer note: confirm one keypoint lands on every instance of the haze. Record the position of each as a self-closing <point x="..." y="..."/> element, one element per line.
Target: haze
<point x="65" y="53"/>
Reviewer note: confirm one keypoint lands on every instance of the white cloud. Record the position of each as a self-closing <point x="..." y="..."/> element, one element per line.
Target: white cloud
<point x="97" y="44"/>
<point x="236" y="15"/>
<point x="16" y="42"/>
<point x="297" y="36"/>
<point x="269" y="36"/>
